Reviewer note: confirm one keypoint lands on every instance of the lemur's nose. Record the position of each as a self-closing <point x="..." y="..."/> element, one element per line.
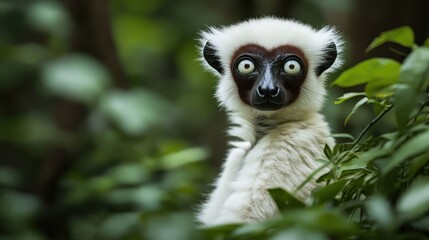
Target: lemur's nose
<point x="270" y="91"/>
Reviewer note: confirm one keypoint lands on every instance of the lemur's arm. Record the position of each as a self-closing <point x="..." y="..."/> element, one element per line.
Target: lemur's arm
<point x="211" y="209"/>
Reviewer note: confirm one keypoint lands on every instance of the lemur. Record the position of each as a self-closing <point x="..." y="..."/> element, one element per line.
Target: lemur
<point x="271" y="83"/>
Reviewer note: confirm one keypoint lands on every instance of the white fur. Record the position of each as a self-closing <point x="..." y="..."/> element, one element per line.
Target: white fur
<point x="277" y="148"/>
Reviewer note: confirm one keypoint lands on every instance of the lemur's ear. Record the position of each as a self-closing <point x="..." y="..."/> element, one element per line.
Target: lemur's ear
<point x="211" y="56"/>
<point x="328" y="58"/>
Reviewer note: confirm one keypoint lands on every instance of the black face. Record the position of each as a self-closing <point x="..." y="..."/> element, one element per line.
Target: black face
<point x="268" y="79"/>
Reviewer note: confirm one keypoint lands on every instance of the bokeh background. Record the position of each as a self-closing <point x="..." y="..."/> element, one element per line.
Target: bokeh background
<point x="108" y="125"/>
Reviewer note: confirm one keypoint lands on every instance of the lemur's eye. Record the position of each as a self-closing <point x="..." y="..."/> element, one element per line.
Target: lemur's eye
<point x="246" y="67"/>
<point x="292" y="68"/>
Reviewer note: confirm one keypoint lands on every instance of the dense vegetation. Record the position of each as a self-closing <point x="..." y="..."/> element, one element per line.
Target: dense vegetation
<point x="87" y="155"/>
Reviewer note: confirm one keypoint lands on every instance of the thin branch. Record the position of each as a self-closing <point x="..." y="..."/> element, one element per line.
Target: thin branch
<point x="426" y="102"/>
<point x="374" y="121"/>
<point x="313" y="174"/>
<point x="398" y="52"/>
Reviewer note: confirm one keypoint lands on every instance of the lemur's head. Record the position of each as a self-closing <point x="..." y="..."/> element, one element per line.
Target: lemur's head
<point x="271" y="66"/>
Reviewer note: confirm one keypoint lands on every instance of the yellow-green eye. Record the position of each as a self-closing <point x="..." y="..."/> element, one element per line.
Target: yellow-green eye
<point x="246" y="67"/>
<point x="292" y="67"/>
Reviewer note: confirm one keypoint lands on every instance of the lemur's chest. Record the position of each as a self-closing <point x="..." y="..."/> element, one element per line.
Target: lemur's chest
<point x="285" y="148"/>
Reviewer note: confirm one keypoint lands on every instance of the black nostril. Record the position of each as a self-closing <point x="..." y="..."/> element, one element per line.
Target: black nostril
<point x="261" y="91"/>
<point x="274" y="92"/>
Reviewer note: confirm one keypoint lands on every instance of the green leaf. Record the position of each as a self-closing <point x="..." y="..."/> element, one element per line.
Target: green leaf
<point x="226" y="228"/>
<point x="50" y="17"/>
<point x="415" y="201"/>
<point x="146" y="197"/>
<point x="328" y="192"/>
<point x="118" y="225"/>
<point x="412" y="77"/>
<point x="380" y="106"/>
<point x="76" y="77"/>
<point x="413" y="147"/>
<point x="416" y="164"/>
<point x="167" y="226"/>
<point x="299" y="233"/>
<point x="129" y="173"/>
<point x="426" y="43"/>
<point x="342" y="147"/>
<point x="343" y="135"/>
<point x="252" y="229"/>
<point x="134" y="112"/>
<point x="355" y="108"/>
<point x="354" y="164"/>
<point x="374" y="69"/>
<point x="382" y="88"/>
<point x="405" y="101"/>
<point x="364" y="158"/>
<point x="348" y="96"/>
<point x="327" y="151"/>
<point x="18" y="208"/>
<point x="379" y="209"/>
<point x="415" y="68"/>
<point x="328" y="221"/>
<point x="183" y="157"/>
<point x="402" y="35"/>
<point x="101" y="184"/>
<point x="285" y="200"/>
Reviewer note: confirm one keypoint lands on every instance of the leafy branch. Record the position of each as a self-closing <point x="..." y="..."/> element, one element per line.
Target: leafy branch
<point x="373" y="121"/>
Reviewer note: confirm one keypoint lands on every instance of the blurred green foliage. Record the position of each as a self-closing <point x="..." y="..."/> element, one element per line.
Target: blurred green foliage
<point x="83" y="158"/>
<point x="129" y="172"/>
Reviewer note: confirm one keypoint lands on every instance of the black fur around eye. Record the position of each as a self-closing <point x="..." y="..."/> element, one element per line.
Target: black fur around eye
<point x="293" y="67"/>
<point x="245" y="66"/>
